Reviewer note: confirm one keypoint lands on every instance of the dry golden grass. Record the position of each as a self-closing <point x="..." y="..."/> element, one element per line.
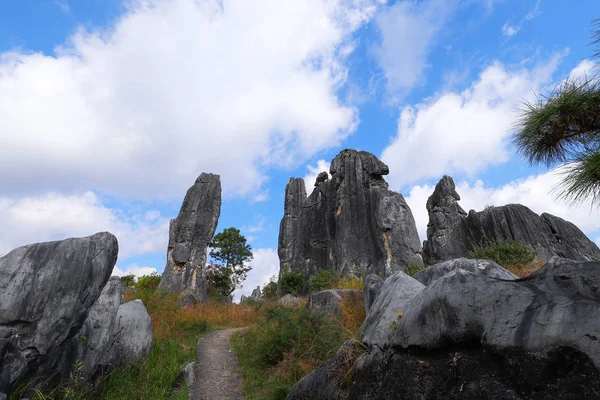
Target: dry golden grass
<point x="170" y="320"/>
<point x="523" y="271"/>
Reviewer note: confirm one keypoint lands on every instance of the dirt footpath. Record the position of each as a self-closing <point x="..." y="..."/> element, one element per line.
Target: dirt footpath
<point x="218" y="374"/>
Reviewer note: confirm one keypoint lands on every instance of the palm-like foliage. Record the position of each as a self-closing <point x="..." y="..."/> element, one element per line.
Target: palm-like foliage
<point x="564" y="127"/>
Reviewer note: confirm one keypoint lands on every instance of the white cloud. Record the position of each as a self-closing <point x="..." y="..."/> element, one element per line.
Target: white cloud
<point x="583" y="70"/>
<point x="313" y="171"/>
<point x="408" y="30"/>
<point x="177" y="87"/>
<point x="535" y="192"/>
<point x="462" y="132"/>
<point x="63" y="5"/>
<point x="260" y="197"/>
<point x="264" y="265"/>
<point x="511" y="30"/>
<point x="133" y="269"/>
<point x="55" y="216"/>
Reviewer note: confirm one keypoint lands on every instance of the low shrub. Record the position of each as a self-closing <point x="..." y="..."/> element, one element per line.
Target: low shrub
<point x="290" y="342"/>
<point x="322" y="280"/>
<point x="291" y="282"/>
<point x="269" y="290"/>
<point x="412" y="269"/>
<point x="509" y="254"/>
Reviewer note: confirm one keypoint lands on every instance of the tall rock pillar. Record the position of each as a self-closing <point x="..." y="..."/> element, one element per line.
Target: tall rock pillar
<point x="189" y="236"/>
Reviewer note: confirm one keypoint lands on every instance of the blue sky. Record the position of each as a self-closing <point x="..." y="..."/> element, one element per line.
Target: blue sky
<point x="112" y="108"/>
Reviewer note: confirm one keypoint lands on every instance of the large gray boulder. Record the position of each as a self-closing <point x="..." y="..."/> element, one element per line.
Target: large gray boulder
<point x="350" y="224"/>
<point x="373" y="285"/>
<point x="327" y="381"/>
<point x="189" y="236"/>
<point x="472" y="336"/>
<point x="479" y="267"/>
<point x="95" y="337"/>
<point x="332" y="300"/>
<point x="131" y="335"/>
<point x="451" y="233"/>
<point x="46" y="292"/>
<point x="394" y="297"/>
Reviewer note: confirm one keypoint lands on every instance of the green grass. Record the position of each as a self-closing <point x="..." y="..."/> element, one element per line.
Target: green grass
<point x="509" y="254"/>
<point x="287" y="344"/>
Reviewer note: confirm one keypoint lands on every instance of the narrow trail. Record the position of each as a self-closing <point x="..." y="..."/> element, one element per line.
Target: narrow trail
<point x="218" y="374"/>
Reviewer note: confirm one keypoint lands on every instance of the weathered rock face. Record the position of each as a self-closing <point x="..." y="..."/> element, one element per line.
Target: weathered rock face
<point x="373" y="285"/>
<point x="395" y="294"/>
<point x="451" y="233"/>
<point x="289" y="301"/>
<point x="351" y="224"/>
<point x="479" y="267"/>
<point x="327" y="381"/>
<point x="332" y="300"/>
<point x="131" y="337"/>
<point x="46" y="292"/>
<point x="472" y="336"/>
<point x="189" y="236"/>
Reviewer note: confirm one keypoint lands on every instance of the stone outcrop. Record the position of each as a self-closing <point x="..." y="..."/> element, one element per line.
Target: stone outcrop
<point x="472" y="336"/>
<point x="58" y="309"/>
<point x="373" y="285"/>
<point x="452" y="233"/>
<point x="189" y="236"/>
<point x="131" y="337"/>
<point x="479" y="267"/>
<point x="350" y="224"/>
<point x="289" y="300"/>
<point x="255" y="296"/>
<point x="332" y="300"/>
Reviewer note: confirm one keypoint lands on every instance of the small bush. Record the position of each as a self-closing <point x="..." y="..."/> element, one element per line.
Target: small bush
<point x="412" y="269"/>
<point x="269" y="290"/>
<point x="508" y="254"/>
<point x="128" y="280"/>
<point x="322" y="280"/>
<point x="291" y="282"/>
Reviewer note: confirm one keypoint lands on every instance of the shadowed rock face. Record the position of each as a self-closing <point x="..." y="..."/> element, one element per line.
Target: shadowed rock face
<point x="451" y="233"/>
<point x="350" y="224"/>
<point x="472" y="336"/>
<point x="46" y="292"/>
<point x="189" y="236"/>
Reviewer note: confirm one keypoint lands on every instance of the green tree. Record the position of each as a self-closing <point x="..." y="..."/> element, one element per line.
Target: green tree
<point x="564" y="127"/>
<point x="230" y="253"/>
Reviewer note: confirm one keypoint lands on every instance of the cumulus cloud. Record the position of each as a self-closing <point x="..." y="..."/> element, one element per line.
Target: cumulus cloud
<point x="583" y="70"/>
<point x="177" y="87"/>
<point x="56" y="216"/>
<point x="264" y="265"/>
<point x="134" y="270"/>
<point x="462" y="132"/>
<point x="408" y="30"/>
<point x="536" y="192"/>
<point x="313" y="171"/>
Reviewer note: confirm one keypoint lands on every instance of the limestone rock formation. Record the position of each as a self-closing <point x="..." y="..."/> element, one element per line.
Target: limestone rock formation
<point x="189" y="236"/>
<point x="289" y="300"/>
<point x="350" y="224"/>
<point x="479" y="267"/>
<point x="373" y="285"/>
<point x="46" y="292"/>
<point x="59" y="308"/>
<point x="395" y="294"/>
<point x="331" y="300"/>
<point x="131" y="335"/>
<point x="451" y="233"/>
<point x="472" y="336"/>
